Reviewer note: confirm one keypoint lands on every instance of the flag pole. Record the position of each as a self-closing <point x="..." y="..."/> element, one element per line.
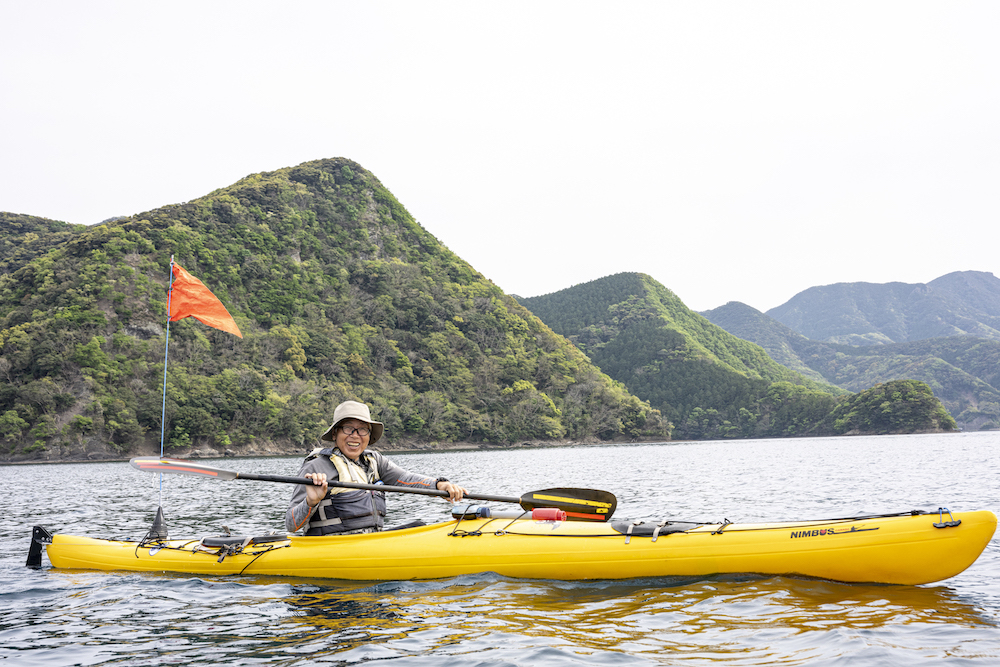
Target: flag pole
<point x="197" y="301"/>
<point x="159" y="529"/>
<point x="166" y="351"/>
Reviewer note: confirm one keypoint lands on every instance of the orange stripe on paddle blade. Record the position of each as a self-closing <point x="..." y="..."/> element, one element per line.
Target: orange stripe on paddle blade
<point x="175" y="468"/>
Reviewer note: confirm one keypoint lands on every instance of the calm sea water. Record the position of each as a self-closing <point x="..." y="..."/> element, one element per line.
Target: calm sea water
<point x="60" y="617"/>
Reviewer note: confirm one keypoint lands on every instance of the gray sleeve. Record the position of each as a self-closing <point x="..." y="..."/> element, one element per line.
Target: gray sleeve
<point x="299" y="511"/>
<point x="392" y="474"/>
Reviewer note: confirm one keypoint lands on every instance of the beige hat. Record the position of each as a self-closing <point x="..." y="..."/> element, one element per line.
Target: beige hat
<point x="353" y="410"/>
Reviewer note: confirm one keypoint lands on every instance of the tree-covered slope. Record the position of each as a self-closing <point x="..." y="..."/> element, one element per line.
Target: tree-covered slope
<point x="964" y="303"/>
<point x="898" y="406"/>
<point x="964" y="372"/>
<point x="781" y="343"/>
<point x="339" y="293"/>
<point x="24" y="237"/>
<point x="708" y="382"/>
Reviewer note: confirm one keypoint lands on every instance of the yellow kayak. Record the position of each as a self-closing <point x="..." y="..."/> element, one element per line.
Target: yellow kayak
<point x="893" y="549"/>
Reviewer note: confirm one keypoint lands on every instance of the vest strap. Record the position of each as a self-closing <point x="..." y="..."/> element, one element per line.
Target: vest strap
<point x="349" y="471"/>
<point x="321" y="511"/>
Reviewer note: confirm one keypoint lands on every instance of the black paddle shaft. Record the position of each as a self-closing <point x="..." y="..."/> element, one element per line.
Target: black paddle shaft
<point x="579" y="504"/>
<point x="375" y="487"/>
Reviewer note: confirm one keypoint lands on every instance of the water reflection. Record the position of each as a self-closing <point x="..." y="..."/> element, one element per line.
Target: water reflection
<point x="742" y="617"/>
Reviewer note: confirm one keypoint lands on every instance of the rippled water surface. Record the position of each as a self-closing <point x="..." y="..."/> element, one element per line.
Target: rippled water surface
<point x="65" y="617"/>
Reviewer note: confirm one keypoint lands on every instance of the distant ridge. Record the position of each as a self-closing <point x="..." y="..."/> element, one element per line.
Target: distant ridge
<point x="708" y="382"/>
<point x="782" y="344"/>
<point x="963" y="303"/>
<point x="963" y="371"/>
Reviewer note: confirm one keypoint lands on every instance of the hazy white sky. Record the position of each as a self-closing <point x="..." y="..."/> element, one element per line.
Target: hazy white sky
<point x="732" y="150"/>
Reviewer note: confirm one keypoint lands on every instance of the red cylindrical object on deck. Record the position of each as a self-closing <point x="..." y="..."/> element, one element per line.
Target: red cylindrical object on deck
<point x="548" y="514"/>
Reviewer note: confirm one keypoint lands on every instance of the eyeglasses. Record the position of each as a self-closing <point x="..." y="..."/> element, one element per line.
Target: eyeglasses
<point x="363" y="431"/>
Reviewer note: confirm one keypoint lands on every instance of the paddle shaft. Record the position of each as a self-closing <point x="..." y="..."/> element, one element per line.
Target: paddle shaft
<point x="579" y="504"/>
<point x="375" y="487"/>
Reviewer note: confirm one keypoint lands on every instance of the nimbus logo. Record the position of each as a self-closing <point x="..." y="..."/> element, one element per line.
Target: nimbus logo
<point x="813" y="533"/>
<point x="830" y="531"/>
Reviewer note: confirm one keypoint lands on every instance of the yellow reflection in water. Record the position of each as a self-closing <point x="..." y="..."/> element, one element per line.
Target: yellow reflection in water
<point x="750" y="621"/>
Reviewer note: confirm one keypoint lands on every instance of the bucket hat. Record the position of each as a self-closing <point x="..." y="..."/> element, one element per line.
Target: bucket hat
<point x="352" y="410"/>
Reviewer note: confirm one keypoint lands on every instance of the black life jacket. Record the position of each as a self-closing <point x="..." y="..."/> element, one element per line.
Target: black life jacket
<point x="348" y="510"/>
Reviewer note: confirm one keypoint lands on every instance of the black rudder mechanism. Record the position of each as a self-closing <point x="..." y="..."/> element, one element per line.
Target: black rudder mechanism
<point x="39" y="537"/>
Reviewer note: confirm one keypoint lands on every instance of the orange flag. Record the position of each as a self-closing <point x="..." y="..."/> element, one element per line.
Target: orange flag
<point x="190" y="298"/>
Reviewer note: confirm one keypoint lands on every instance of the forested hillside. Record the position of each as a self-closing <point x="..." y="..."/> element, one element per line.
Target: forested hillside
<point x="964" y="372"/>
<point x="339" y="294"/>
<point x="23" y="237"/>
<point x="898" y="406"/>
<point x="708" y="382"/>
<point x="964" y="303"/>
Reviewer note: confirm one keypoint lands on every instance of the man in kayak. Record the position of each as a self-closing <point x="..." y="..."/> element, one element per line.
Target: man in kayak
<point x="322" y="509"/>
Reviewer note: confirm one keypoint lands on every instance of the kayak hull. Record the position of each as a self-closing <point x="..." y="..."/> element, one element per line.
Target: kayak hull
<point x="892" y="550"/>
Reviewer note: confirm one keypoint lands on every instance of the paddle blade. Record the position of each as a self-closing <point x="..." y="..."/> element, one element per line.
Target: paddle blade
<point x="180" y="467"/>
<point x="579" y="504"/>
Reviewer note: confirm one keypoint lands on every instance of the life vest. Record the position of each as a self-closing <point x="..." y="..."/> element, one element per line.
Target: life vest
<point x="348" y="510"/>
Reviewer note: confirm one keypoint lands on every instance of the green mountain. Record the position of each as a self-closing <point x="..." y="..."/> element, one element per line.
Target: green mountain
<point x="25" y="237"/>
<point x="339" y="294"/>
<point x="707" y="382"/>
<point x="898" y="406"/>
<point x="964" y="303"/>
<point x="785" y="346"/>
<point x="964" y="372"/>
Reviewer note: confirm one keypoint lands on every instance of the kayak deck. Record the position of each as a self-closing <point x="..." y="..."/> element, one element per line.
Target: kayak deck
<point x="897" y="549"/>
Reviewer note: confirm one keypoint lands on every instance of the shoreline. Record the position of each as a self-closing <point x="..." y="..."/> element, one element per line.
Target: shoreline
<point x="273" y="449"/>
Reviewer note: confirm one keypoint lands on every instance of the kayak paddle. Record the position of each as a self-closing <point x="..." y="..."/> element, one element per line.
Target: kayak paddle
<point x="579" y="504"/>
